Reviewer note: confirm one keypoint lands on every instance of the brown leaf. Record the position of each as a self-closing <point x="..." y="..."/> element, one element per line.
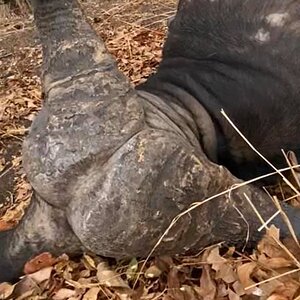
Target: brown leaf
<point x="4" y="225"/>
<point x="277" y="297"/>
<point x="238" y="288"/>
<point x="25" y="286"/>
<point x="164" y="263"/>
<point x="227" y="273"/>
<point x="41" y="275"/>
<point x="91" y="294"/>
<point x="244" y="273"/>
<point x="232" y="295"/>
<point x="215" y="259"/>
<point x="208" y="289"/>
<point x="89" y="262"/>
<point x="174" y="284"/>
<point x="6" y="290"/>
<point x="39" y="262"/>
<point x="110" y="278"/>
<point x="275" y="262"/>
<point x="153" y="272"/>
<point x="63" y="294"/>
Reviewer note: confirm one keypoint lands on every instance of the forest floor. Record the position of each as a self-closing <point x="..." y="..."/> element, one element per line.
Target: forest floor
<point x="134" y="31"/>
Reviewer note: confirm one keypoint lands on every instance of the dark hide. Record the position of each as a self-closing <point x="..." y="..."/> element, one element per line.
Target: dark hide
<point x="243" y="57"/>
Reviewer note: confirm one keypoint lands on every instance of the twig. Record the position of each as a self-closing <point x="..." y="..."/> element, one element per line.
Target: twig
<point x="259" y="154"/>
<point x="271" y="279"/>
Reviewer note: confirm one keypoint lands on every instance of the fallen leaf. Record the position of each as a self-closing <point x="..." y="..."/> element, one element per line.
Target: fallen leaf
<point x="131" y="271"/>
<point x="63" y="294"/>
<point x="26" y="286"/>
<point x="238" y="288"/>
<point x="6" y="289"/>
<point x="91" y="294"/>
<point x="208" y="289"/>
<point x="232" y="295"/>
<point x="109" y="278"/>
<point x="153" y="272"/>
<point x="6" y="225"/>
<point x="41" y="275"/>
<point x="39" y="262"/>
<point x="226" y="273"/>
<point x="277" y="297"/>
<point x="174" y="284"/>
<point x="215" y="259"/>
<point x="89" y="262"/>
<point x="275" y="262"/>
<point x="244" y="273"/>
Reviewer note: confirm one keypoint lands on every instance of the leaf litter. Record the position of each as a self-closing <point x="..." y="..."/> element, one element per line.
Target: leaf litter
<point x="134" y="32"/>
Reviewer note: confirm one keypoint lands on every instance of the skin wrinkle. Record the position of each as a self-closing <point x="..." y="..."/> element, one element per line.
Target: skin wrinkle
<point x="176" y="121"/>
<point x="206" y="132"/>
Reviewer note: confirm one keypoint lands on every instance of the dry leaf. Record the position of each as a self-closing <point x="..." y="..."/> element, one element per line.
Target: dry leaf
<point x="63" y="294"/>
<point x="26" y="286"/>
<point x="39" y="262"/>
<point x="226" y="273"/>
<point x="153" y="272"/>
<point x="277" y="297"/>
<point x="232" y="295"/>
<point x="6" y="290"/>
<point x="42" y="275"/>
<point x="174" y="284"/>
<point x="91" y="294"/>
<point x="275" y="262"/>
<point x="208" y="289"/>
<point x="215" y="259"/>
<point x="238" y="288"/>
<point x="89" y="262"/>
<point x="109" y="278"/>
<point x="4" y="225"/>
<point x="244" y="273"/>
<point x="131" y="271"/>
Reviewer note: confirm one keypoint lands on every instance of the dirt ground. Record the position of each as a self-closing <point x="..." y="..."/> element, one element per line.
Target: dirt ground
<point x="134" y="32"/>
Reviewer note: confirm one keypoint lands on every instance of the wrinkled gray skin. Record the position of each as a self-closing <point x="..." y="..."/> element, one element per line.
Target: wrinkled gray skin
<point x="112" y="166"/>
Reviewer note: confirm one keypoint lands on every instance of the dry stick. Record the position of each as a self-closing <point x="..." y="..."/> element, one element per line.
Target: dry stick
<point x="259" y="154"/>
<point x="3" y="173"/>
<point x="286" y="220"/>
<point x="290" y="198"/>
<point x="268" y="221"/>
<point x="247" y="224"/>
<point x="255" y="210"/>
<point x="165" y="15"/>
<point x="293" y="171"/>
<point x="271" y="279"/>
